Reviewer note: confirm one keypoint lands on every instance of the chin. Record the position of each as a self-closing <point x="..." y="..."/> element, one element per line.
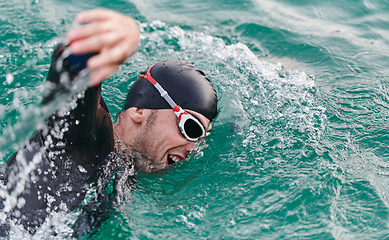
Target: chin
<point x="144" y="167"/>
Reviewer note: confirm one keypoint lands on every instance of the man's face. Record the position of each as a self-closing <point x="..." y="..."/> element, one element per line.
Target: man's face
<point x="160" y="142"/>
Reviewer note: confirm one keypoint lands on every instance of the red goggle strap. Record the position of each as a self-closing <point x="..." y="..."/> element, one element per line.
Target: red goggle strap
<point x="176" y="109"/>
<point x="160" y="89"/>
<point x="179" y="112"/>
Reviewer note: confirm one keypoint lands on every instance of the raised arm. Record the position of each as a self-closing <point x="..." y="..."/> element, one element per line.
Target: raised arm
<point x="110" y="38"/>
<point x="63" y="156"/>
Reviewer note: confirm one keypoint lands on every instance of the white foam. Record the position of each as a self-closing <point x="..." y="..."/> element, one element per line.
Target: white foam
<point x="9" y="78"/>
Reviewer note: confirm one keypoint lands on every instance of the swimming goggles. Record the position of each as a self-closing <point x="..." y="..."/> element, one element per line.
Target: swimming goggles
<point x="190" y="127"/>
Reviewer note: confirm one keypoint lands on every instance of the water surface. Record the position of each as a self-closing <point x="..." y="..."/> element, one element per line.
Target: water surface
<point x="299" y="149"/>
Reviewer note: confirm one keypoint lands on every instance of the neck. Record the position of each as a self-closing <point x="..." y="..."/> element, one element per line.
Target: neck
<point x="123" y="137"/>
<point x="118" y="138"/>
<point x="125" y="151"/>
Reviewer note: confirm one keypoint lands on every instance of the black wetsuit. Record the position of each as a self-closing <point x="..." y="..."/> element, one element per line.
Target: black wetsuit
<point x="63" y="161"/>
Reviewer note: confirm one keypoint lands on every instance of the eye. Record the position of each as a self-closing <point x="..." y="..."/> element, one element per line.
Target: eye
<point x="192" y="129"/>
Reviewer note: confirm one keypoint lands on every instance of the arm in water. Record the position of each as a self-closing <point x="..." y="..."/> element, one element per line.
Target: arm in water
<point x="54" y="170"/>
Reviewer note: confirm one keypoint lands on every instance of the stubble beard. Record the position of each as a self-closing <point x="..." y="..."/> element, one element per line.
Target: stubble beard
<point x="139" y="151"/>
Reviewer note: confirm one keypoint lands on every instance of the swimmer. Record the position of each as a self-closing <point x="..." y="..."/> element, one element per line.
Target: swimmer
<point x="167" y="110"/>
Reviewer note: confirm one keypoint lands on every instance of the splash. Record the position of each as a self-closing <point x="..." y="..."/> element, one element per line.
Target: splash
<point x="250" y="88"/>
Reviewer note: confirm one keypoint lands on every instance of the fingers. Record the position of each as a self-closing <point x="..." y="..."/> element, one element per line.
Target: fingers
<point x="95" y="42"/>
<point x="107" y="62"/>
<point x="98" y="75"/>
<point x="96" y="35"/>
<point x="117" y="54"/>
<point x="88" y="30"/>
<point x="99" y="14"/>
<point x="114" y="36"/>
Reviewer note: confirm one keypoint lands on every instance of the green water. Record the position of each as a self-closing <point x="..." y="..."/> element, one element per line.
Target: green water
<point x="299" y="149"/>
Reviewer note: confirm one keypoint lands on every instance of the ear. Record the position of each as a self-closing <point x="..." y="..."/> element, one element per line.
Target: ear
<point x="138" y="115"/>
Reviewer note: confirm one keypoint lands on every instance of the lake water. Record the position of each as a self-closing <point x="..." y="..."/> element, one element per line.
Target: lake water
<point x="299" y="149"/>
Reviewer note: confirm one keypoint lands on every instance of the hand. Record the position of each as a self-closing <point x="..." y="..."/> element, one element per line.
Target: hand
<point x="111" y="34"/>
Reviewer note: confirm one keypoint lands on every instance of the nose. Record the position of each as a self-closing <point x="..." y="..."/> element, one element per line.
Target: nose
<point x="190" y="146"/>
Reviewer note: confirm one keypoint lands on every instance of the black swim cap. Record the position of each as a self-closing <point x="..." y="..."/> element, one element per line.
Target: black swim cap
<point x="186" y="84"/>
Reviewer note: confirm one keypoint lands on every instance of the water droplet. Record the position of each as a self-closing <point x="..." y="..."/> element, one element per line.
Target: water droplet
<point x="9" y="78"/>
<point x="83" y="170"/>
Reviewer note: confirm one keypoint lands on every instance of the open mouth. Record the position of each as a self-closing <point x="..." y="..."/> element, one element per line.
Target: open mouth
<point x="171" y="159"/>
